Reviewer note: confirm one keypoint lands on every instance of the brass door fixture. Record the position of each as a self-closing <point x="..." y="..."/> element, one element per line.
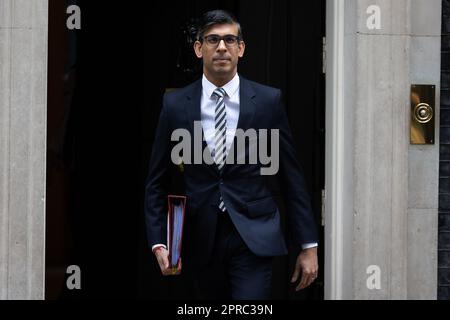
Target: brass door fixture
<point x="422" y="113"/>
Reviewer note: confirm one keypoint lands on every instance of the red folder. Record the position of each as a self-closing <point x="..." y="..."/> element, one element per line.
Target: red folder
<point x="175" y="223"/>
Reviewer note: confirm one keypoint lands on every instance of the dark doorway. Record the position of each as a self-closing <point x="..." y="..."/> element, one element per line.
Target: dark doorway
<point x="284" y="50"/>
<point x="105" y="87"/>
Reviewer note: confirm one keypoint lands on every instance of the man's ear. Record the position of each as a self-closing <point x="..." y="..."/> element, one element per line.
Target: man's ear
<point x="198" y="49"/>
<point x="241" y="49"/>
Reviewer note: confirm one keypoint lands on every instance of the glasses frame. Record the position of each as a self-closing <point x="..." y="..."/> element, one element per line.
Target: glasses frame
<point x="237" y="38"/>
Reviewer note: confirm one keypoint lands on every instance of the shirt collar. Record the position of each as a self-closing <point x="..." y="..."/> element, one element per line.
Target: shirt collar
<point x="230" y="88"/>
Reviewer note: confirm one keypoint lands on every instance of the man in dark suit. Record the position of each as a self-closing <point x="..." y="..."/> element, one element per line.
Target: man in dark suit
<point x="232" y="229"/>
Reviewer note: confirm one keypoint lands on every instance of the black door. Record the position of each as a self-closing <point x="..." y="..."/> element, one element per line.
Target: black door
<point x="284" y="50"/>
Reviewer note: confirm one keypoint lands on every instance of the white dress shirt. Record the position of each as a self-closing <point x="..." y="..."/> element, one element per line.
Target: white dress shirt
<point x="207" y="110"/>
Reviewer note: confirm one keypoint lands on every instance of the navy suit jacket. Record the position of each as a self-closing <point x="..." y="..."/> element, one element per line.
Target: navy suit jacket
<point x="246" y="193"/>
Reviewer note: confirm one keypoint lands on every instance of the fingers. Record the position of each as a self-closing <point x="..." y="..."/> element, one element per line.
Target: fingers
<point x="305" y="281"/>
<point x="162" y="256"/>
<point x="296" y="273"/>
<point x="308" y="277"/>
<point x="164" y="266"/>
<point x="306" y="264"/>
<point x="179" y="267"/>
<point x="163" y="260"/>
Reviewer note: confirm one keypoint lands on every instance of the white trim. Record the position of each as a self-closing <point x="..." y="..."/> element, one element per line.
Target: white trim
<point x="334" y="146"/>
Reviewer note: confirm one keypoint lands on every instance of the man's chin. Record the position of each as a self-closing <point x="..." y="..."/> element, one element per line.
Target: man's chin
<point x="222" y="71"/>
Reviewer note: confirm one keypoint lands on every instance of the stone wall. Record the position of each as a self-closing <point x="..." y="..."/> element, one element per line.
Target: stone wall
<point x="23" y="103"/>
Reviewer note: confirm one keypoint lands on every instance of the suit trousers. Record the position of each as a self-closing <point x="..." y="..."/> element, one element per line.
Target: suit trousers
<point x="233" y="271"/>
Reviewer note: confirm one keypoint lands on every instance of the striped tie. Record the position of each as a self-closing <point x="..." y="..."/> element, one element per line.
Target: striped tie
<point x="220" y="153"/>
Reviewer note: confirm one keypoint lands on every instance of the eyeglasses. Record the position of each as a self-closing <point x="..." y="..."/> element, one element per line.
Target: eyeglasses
<point x="213" y="40"/>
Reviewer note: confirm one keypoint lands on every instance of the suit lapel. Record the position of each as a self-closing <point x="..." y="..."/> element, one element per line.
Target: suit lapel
<point x="247" y="109"/>
<point x="192" y="105"/>
<point x="247" y="105"/>
<point x="193" y="113"/>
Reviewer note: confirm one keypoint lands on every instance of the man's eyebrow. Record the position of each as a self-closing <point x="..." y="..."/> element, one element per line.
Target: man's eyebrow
<point x="215" y="34"/>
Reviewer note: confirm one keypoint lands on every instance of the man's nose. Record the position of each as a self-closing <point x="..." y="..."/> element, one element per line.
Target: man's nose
<point x="222" y="46"/>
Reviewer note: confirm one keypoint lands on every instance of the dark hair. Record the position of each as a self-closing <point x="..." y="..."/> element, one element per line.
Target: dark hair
<point x="213" y="17"/>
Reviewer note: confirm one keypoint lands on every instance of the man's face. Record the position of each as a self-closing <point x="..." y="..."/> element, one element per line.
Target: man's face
<point x="220" y="60"/>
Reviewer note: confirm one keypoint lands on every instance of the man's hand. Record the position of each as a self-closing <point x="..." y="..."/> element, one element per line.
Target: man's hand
<point x="162" y="255"/>
<point x="307" y="265"/>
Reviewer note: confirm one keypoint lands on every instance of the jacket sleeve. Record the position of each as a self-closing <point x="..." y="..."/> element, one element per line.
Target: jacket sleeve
<point x="156" y="185"/>
<point x="296" y="196"/>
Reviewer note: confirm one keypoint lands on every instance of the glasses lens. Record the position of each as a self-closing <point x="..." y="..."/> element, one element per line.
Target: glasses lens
<point x="230" y="40"/>
<point x="213" y="39"/>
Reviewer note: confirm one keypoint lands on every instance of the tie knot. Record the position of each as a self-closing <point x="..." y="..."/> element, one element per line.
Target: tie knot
<point x="219" y="92"/>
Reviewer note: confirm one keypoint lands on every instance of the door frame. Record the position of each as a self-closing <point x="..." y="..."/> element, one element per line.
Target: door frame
<point x="334" y="151"/>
